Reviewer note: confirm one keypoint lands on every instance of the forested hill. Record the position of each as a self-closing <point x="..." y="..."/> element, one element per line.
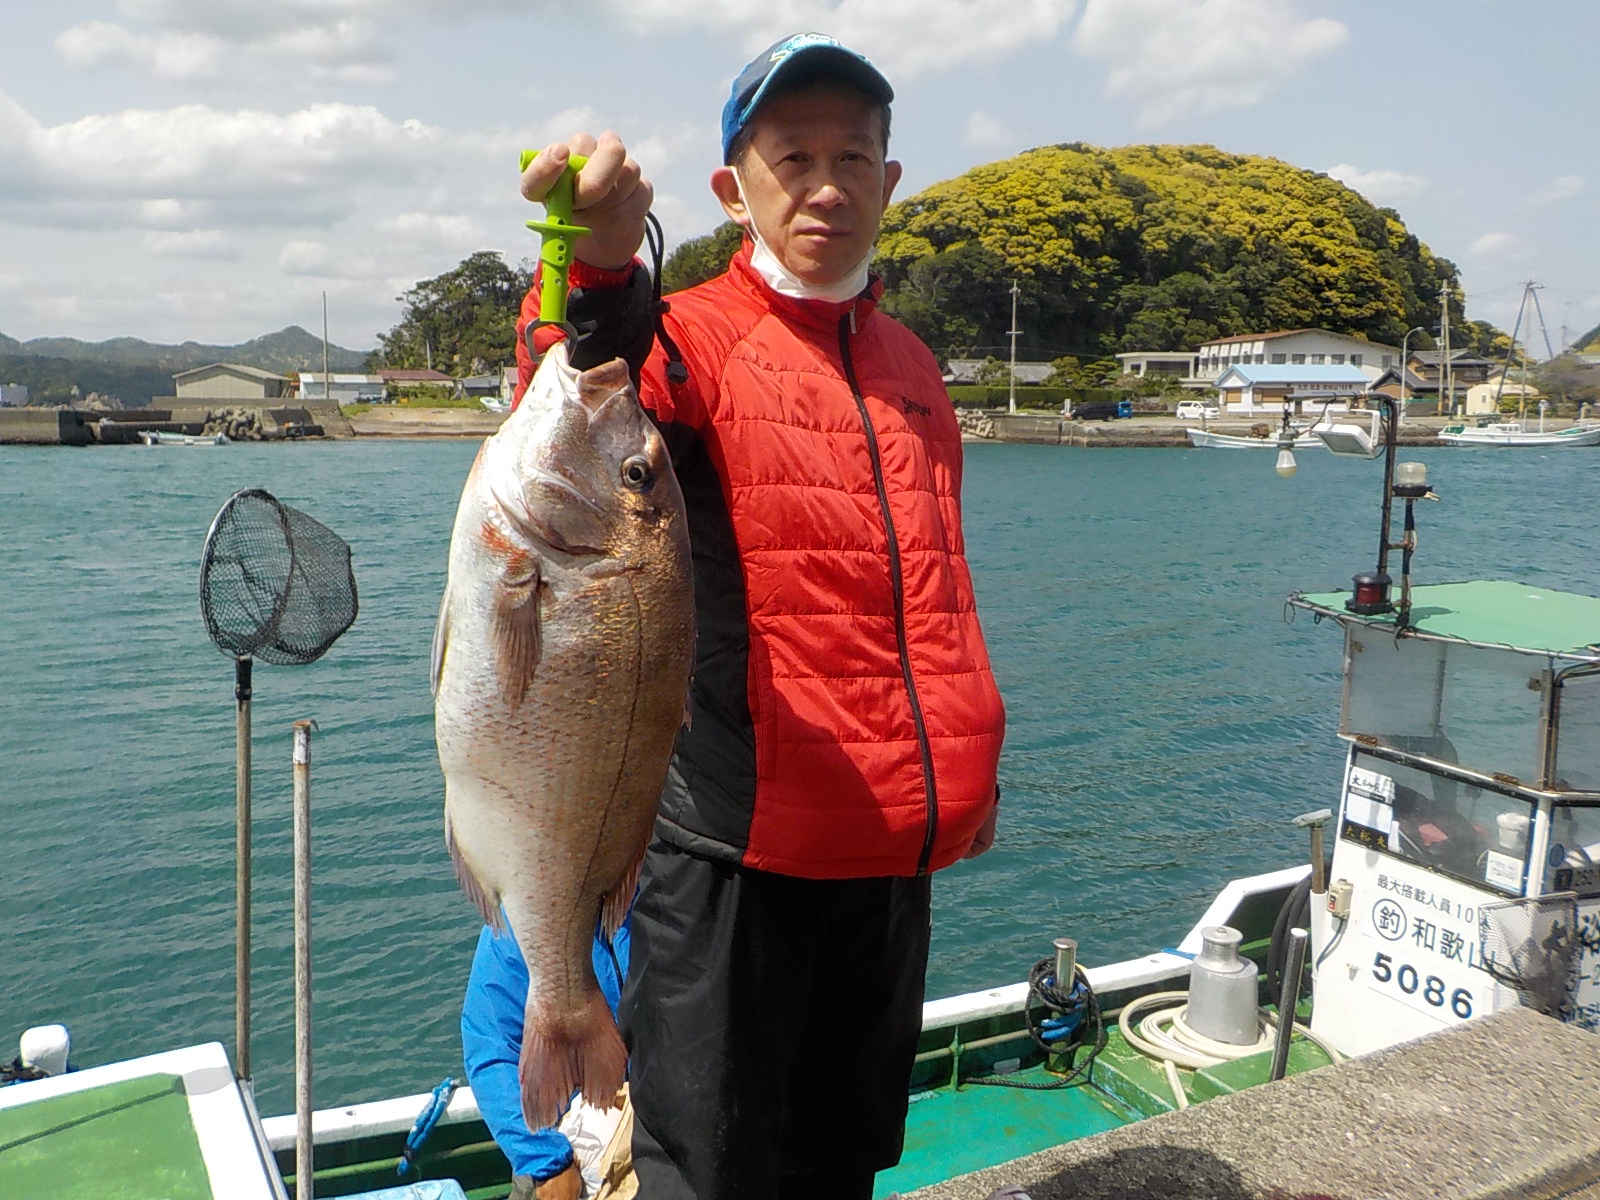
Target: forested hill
<point x="1153" y="248"/>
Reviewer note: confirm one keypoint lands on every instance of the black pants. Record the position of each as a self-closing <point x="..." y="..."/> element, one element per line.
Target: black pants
<point x="772" y="1024"/>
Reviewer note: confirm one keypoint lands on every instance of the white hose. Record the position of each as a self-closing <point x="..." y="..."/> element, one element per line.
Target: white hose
<point x="1166" y="1036"/>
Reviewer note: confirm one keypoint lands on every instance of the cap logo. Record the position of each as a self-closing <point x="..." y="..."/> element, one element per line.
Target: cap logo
<point x="800" y="41"/>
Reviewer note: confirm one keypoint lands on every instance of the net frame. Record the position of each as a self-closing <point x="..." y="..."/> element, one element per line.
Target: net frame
<point x="1532" y="946"/>
<point x="275" y="583"/>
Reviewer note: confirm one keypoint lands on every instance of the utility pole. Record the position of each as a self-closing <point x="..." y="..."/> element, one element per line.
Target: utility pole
<point x="1447" y="391"/>
<point x="326" y="382"/>
<point x="1014" y="331"/>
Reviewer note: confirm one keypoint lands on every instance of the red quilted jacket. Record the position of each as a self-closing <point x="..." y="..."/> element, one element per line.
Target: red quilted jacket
<point x="845" y="720"/>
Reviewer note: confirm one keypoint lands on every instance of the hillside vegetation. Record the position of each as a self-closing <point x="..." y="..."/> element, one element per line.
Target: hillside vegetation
<point x="1153" y="247"/>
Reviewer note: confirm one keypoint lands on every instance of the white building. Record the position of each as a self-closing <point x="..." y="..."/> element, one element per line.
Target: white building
<point x="1252" y="390"/>
<point x="342" y="388"/>
<point x="13" y="395"/>
<point x="1292" y="348"/>
<point x="1481" y="398"/>
<point x="1162" y="364"/>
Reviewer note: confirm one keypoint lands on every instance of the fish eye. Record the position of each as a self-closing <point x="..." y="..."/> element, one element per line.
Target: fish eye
<point x="636" y="473"/>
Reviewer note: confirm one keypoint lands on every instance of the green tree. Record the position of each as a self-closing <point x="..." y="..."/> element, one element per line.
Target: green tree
<point x="1063" y="372"/>
<point x="992" y="372"/>
<point x="701" y="258"/>
<point x="1153" y="247"/>
<point x="462" y="322"/>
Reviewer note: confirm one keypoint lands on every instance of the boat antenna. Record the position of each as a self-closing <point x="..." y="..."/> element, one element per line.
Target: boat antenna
<point x="277" y="585"/>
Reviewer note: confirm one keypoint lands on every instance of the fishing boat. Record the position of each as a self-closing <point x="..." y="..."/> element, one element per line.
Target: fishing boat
<point x="1299" y="438"/>
<point x="156" y="437"/>
<point x="1513" y="433"/>
<point x="1463" y="888"/>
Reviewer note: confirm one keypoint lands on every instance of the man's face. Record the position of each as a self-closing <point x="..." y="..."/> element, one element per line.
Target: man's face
<point x="815" y="180"/>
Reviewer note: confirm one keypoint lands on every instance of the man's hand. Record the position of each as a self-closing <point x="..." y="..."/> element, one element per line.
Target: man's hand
<point x="611" y="196"/>
<point x="985" y="837"/>
<point x="566" y="1186"/>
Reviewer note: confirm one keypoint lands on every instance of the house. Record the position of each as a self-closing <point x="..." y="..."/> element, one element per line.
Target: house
<point x="1290" y="348"/>
<point x="487" y="387"/>
<point x="1248" y="390"/>
<point x="965" y="370"/>
<point x="13" y="395"/>
<point x="396" y="379"/>
<point x="231" y="383"/>
<point x="1159" y="364"/>
<point x="1481" y="400"/>
<point x="342" y="388"/>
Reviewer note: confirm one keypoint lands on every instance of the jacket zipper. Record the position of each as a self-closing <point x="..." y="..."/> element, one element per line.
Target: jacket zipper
<point x="847" y="326"/>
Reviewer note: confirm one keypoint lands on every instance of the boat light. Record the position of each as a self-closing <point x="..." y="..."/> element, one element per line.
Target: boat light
<point x="1371" y="594"/>
<point x="1286" y="464"/>
<point x="1411" y="480"/>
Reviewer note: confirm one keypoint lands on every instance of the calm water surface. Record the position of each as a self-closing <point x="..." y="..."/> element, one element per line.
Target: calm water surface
<point x="1166" y="723"/>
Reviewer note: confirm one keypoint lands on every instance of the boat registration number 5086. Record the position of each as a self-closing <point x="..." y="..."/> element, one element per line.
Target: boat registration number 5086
<point x="1415" y="985"/>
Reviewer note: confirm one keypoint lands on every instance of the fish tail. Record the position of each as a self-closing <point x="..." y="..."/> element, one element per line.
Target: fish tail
<point x="564" y="1053"/>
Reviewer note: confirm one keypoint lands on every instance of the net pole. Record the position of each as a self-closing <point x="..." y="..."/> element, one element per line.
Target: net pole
<point x="241" y="882"/>
<point x="302" y="960"/>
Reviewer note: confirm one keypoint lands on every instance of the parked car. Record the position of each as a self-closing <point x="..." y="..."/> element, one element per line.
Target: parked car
<point x="1195" y="410"/>
<point x="1103" y="410"/>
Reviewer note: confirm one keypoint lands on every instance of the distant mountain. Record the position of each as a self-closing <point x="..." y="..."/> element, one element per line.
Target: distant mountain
<point x="133" y="370"/>
<point x="287" y="350"/>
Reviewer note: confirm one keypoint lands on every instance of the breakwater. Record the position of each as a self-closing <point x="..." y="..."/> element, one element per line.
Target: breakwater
<point x="120" y="427"/>
<point x="1140" y="431"/>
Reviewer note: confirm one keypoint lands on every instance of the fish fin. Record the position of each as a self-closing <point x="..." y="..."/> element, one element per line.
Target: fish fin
<point x="441" y="639"/>
<point x="515" y="628"/>
<point x="486" y="903"/>
<point x="569" y="1052"/>
<point x="614" y="908"/>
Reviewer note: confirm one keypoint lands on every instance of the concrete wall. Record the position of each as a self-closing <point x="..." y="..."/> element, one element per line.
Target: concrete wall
<point x="43" y="427"/>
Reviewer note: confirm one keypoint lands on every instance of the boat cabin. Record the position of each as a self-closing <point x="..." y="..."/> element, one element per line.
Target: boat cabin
<point x="1466" y="866"/>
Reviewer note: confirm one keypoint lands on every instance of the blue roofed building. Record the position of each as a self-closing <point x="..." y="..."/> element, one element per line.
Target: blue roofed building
<point x="1265" y="389"/>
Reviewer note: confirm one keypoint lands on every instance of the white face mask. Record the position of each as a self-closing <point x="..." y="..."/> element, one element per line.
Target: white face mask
<point x="785" y="282"/>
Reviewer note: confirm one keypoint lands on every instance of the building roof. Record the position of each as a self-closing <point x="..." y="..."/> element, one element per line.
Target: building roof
<point x="1258" y="373"/>
<point x="965" y="370"/>
<point x="1283" y="333"/>
<point x="236" y="368"/>
<point x="424" y="375"/>
<point x="1458" y="358"/>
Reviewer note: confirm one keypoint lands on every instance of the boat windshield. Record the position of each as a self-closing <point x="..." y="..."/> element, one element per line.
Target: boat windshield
<point x="1578" y="747"/>
<point x="1468" y="706"/>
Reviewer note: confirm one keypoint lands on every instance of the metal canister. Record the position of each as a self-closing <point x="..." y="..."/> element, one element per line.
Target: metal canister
<point x="1222" y="989"/>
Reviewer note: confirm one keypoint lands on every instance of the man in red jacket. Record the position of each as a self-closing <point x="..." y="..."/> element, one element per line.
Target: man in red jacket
<point x="845" y="725"/>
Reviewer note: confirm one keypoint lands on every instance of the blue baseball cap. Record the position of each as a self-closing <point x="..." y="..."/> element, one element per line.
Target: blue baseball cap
<point x="798" y="58"/>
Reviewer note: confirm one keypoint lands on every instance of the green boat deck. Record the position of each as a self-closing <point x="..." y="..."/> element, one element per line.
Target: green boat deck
<point x="121" y="1141"/>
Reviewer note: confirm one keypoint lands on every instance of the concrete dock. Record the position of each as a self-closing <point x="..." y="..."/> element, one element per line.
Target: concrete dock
<point x="1503" y="1108"/>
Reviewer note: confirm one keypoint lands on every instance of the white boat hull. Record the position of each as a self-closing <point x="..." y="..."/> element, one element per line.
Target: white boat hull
<point x="1578" y="435"/>
<point x="1205" y="439"/>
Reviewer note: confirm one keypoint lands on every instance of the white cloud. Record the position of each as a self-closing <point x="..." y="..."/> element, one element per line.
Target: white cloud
<point x="1178" y="57"/>
<point x="1498" y="245"/>
<point x="202" y="41"/>
<point x="194" y="152"/>
<point x="192" y="243"/>
<point x="987" y="132"/>
<point x="432" y="229"/>
<point x="1564" y="187"/>
<point x="1378" y="186"/>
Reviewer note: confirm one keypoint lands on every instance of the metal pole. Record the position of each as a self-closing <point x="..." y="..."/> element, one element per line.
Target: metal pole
<point x="1014" y="331"/>
<point x="241" y="875"/>
<point x="302" y="959"/>
<point x="1287" y="1002"/>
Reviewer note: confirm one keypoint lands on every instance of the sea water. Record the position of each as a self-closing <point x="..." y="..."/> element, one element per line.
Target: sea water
<point x="1166" y="721"/>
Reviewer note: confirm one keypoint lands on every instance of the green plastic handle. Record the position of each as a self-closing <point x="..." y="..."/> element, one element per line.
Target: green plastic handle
<point x="559" y="233"/>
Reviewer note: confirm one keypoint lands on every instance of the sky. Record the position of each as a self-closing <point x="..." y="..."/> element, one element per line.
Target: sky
<point x="208" y="170"/>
